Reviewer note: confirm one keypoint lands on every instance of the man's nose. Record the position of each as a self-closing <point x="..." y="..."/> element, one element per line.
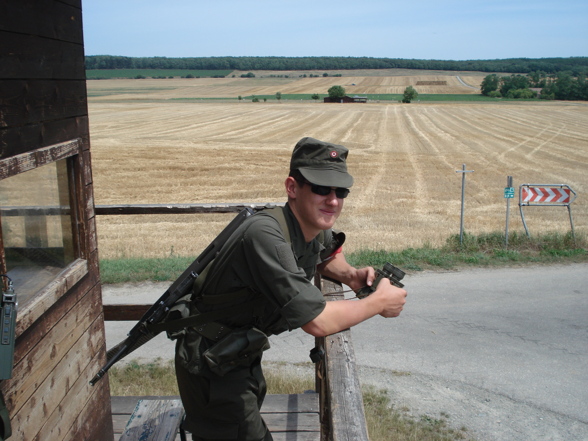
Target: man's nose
<point x="332" y="198"/>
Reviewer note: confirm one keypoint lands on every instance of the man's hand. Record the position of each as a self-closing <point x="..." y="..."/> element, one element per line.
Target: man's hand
<point x="387" y="301"/>
<point x="337" y="268"/>
<point x="362" y="277"/>
<point x="390" y="298"/>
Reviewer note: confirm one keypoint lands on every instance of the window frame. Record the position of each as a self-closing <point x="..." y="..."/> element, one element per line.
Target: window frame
<point x="78" y="268"/>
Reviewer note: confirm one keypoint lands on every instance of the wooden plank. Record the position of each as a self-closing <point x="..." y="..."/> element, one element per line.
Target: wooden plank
<point x="124" y="312"/>
<point x="154" y="420"/>
<point x="58" y="383"/>
<point x="124" y="405"/>
<point x="293" y="403"/>
<point x="30" y="337"/>
<point x="291" y="417"/>
<point x="26" y="161"/>
<point x="95" y="422"/>
<point x="51" y="347"/>
<point x="64" y="420"/>
<point x="119" y="422"/>
<point x="296" y="436"/>
<point x="22" y="139"/>
<point x="342" y="392"/>
<point x="49" y="18"/>
<point x="292" y="422"/>
<point x="31" y="101"/>
<point x="129" y="209"/>
<point x="35" y="57"/>
<point x="52" y="292"/>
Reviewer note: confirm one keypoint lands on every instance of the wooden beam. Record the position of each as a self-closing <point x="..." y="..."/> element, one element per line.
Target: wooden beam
<point x="26" y="138"/>
<point x="52" y="19"/>
<point x="31" y="101"/>
<point x="15" y="165"/>
<point x="35" y="57"/>
<point x="342" y="410"/>
<point x="129" y="209"/>
<point x="124" y="312"/>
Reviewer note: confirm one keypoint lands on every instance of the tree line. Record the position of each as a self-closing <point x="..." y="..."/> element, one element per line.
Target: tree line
<point x="575" y="65"/>
<point x="560" y="86"/>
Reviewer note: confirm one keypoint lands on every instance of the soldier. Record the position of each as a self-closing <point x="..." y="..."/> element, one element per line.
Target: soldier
<point x="267" y="268"/>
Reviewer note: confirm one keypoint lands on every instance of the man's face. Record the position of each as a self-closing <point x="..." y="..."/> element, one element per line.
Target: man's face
<point x="314" y="212"/>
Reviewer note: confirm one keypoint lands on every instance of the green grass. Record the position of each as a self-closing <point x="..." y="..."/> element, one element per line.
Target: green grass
<point x="104" y="74"/>
<point x="139" y="269"/>
<point x="385" y="422"/>
<point x="484" y="250"/>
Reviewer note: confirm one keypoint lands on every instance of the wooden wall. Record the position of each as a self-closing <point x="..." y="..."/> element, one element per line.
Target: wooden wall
<point x="43" y="116"/>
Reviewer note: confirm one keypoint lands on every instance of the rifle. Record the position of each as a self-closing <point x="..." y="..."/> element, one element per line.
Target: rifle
<point x="142" y="332"/>
<point x="389" y="272"/>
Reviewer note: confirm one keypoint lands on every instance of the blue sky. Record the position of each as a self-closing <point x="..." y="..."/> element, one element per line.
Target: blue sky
<point x="421" y="29"/>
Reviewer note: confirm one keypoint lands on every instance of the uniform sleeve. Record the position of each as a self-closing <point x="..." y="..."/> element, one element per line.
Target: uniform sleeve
<point x="276" y="275"/>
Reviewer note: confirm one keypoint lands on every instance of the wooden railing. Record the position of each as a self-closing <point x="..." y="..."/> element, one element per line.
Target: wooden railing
<point x="342" y="412"/>
<point x="337" y="382"/>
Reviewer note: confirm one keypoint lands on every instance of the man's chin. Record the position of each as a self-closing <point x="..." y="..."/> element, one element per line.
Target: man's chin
<point x="327" y="221"/>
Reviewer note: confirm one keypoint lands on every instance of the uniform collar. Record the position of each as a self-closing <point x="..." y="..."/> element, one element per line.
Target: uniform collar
<point x="299" y="246"/>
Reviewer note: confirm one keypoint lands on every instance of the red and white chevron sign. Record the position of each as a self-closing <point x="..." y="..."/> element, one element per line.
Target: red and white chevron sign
<point x="546" y="195"/>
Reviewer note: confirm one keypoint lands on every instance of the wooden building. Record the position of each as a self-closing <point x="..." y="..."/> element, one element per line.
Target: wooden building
<point x="346" y="99"/>
<point x="48" y="246"/>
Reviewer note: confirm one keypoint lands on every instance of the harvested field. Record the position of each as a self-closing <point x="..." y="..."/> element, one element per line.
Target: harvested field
<point x="404" y="159"/>
<point x="194" y="88"/>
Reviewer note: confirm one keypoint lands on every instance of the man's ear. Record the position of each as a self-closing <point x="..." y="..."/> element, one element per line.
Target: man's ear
<point x="291" y="187"/>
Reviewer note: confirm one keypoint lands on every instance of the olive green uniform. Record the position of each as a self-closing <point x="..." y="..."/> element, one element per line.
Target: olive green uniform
<point x="271" y="278"/>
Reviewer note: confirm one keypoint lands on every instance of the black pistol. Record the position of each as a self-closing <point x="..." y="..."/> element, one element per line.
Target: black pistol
<point x="389" y="272"/>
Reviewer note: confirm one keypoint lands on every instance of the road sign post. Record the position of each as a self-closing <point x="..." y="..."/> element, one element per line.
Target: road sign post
<point x="508" y="194"/>
<point x="463" y="171"/>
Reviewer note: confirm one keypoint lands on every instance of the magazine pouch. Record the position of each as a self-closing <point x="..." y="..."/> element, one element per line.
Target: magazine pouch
<point x="239" y="348"/>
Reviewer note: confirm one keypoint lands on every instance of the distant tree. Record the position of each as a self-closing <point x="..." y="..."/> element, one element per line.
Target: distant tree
<point x="490" y="84"/>
<point x="279" y="96"/>
<point x="410" y="94"/>
<point x="315" y="96"/>
<point x="521" y="94"/>
<point x="538" y="78"/>
<point x="336" y="92"/>
<point x="513" y="82"/>
<point x="325" y="74"/>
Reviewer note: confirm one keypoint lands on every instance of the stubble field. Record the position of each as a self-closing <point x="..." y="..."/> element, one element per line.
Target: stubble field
<point x="149" y="146"/>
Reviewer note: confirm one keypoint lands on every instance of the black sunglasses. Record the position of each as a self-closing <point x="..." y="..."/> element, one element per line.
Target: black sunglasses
<point x="323" y="190"/>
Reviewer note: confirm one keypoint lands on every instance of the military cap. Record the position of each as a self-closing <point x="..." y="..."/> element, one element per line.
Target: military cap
<point x="321" y="163"/>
